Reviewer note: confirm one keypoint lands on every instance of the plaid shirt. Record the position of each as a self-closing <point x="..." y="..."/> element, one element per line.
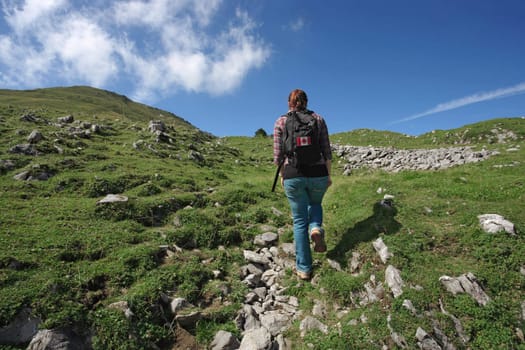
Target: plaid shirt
<point x="278" y="131"/>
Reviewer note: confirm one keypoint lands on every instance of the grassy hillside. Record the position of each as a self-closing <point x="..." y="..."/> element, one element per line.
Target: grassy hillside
<point x="83" y="101"/>
<point x="67" y="258"/>
<point x="478" y="134"/>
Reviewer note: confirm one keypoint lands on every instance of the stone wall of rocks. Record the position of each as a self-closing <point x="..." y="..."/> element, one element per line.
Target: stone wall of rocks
<point x="395" y="160"/>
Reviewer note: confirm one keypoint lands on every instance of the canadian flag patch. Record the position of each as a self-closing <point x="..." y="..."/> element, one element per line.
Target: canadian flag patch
<point x="303" y="141"/>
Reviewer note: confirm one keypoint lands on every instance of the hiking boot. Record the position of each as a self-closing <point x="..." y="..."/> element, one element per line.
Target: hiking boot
<point x="305" y="276"/>
<point x="317" y="236"/>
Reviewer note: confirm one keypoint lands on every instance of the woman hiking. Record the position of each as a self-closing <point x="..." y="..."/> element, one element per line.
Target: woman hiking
<point x="301" y="149"/>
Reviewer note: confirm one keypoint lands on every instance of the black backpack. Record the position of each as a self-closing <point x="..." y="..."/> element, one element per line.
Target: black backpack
<point x="301" y="138"/>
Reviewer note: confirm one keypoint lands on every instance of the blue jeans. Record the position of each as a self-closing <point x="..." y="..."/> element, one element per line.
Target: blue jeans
<point x="305" y="195"/>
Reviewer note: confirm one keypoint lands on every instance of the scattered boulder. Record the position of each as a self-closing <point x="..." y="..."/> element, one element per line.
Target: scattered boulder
<point x="425" y="341"/>
<point x="355" y="263"/>
<point x="266" y="239"/>
<point x="64" y="339"/>
<point x="68" y="119"/>
<point x="25" y="149"/>
<point x="311" y="323"/>
<point x="21" y="329"/>
<point x="122" y="306"/>
<point x="6" y="165"/>
<point x="156" y="125"/>
<point x="494" y="223"/>
<point x="35" y="137"/>
<point x="195" y="156"/>
<point x="398" y="339"/>
<point x="30" y="117"/>
<point x="179" y="304"/>
<point x="113" y="198"/>
<point x="394" y="281"/>
<point x="466" y="283"/>
<point x="373" y="292"/>
<point x="189" y="321"/>
<point x="382" y="250"/>
<point x="36" y="173"/>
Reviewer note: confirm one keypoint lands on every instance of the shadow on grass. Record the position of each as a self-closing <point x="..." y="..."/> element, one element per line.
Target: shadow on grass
<point x="382" y="221"/>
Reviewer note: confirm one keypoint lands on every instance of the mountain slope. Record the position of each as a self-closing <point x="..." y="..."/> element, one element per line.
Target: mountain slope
<point x="84" y="100"/>
<point x="113" y="272"/>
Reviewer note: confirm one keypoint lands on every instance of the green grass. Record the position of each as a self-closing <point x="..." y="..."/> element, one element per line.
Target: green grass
<point x="67" y="257"/>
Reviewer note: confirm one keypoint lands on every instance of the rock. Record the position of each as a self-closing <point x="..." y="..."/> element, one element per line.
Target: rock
<point x="288" y="248"/>
<point x="393" y="160"/>
<point x="96" y="129"/>
<point x="355" y="262"/>
<point x="382" y="250"/>
<point x="224" y="341"/>
<point x="394" y="281"/>
<point x="466" y="283"/>
<point x="319" y="309"/>
<point x="407" y="304"/>
<point x="267" y="228"/>
<point x="6" y="165"/>
<point x="21" y="329"/>
<point x="189" y="321"/>
<point x="373" y="293"/>
<point x="255" y="258"/>
<point x="252" y="280"/>
<point x="281" y="343"/>
<point x="275" y="321"/>
<point x="25" y="149"/>
<point x="35" y="137"/>
<point x="156" y="125"/>
<point x="29" y="117"/>
<point x="269" y="276"/>
<point x="266" y="239"/>
<point x="256" y="339"/>
<point x="334" y="265"/>
<point x="247" y="318"/>
<point x="178" y="304"/>
<point x="251" y="269"/>
<point x="520" y="335"/>
<point x="426" y="342"/>
<point x="122" y="306"/>
<point x="398" y="339"/>
<point x="195" y="156"/>
<point x="494" y="223"/>
<point x="112" y="198"/>
<point x="277" y="212"/>
<point x="58" y="340"/>
<point x="457" y="324"/>
<point x="311" y="323"/>
<point x="66" y="120"/>
<point x="23" y="176"/>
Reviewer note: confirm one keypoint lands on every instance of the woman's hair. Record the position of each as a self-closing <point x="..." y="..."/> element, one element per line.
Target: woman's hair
<point x="297" y="99"/>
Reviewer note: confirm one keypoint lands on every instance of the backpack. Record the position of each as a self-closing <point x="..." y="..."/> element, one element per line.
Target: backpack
<point x="301" y="138"/>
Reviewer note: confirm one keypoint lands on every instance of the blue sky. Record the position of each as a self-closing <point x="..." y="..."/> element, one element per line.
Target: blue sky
<point x="227" y="66"/>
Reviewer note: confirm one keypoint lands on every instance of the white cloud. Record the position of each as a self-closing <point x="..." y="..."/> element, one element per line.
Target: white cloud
<point x="84" y="50"/>
<point x="297" y="24"/>
<point x="159" y="46"/>
<point x="31" y="12"/>
<point x="468" y="100"/>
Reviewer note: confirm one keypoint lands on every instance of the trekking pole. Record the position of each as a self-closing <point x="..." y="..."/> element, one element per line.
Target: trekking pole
<point x="277" y="175"/>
